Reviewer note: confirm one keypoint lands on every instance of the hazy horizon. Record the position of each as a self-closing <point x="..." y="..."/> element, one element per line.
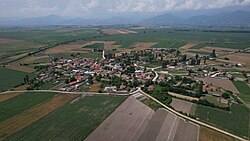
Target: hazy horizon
<point x="100" y="9"/>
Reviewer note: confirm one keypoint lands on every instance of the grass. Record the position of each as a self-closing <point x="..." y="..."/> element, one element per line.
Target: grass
<point x="17" y="104"/>
<point x="10" y="78"/>
<point x="215" y="101"/>
<point x="236" y="121"/>
<point x="73" y="121"/>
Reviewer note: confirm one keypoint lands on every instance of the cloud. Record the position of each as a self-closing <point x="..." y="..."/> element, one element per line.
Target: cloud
<point x="28" y="8"/>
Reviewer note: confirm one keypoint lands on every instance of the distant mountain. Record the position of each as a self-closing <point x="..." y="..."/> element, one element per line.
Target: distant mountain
<point x="163" y="20"/>
<point x="240" y="18"/>
<point x="237" y="18"/>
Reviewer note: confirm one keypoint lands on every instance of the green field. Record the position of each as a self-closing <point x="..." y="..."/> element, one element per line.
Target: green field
<point x="244" y="91"/>
<point x="169" y="38"/>
<point x="10" y="78"/>
<point x="236" y="121"/>
<point x="73" y="121"/>
<point x="91" y="55"/>
<point x="28" y="39"/>
<point x="95" y="46"/>
<point x="15" y="105"/>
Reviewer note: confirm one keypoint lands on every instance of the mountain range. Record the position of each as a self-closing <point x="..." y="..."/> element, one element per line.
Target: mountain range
<point x="236" y="18"/>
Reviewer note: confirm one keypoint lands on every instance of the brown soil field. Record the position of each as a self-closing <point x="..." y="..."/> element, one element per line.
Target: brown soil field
<point x="67" y="48"/>
<point x="144" y="45"/>
<point x="189" y="45"/>
<point x="167" y="126"/>
<point x="110" y="45"/>
<point x="31" y="115"/>
<point x="220" y="49"/>
<point x="2" y="40"/>
<point x="224" y="83"/>
<point x="240" y="58"/>
<point x="117" y="31"/>
<point x="181" y="105"/>
<point x="8" y="96"/>
<point x="211" y="135"/>
<point x="32" y="59"/>
<point x="135" y="121"/>
<point x="16" y="66"/>
<point x="183" y="96"/>
<point x="23" y="87"/>
<point x="95" y="87"/>
<point x="127" y="122"/>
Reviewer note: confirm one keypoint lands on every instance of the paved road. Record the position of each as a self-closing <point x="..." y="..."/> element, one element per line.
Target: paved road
<point x="63" y="92"/>
<point x="191" y="119"/>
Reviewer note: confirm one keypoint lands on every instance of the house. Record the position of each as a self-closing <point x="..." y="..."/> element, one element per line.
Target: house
<point x="110" y="89"/>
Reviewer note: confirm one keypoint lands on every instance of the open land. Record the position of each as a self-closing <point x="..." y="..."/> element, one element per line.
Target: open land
<point x="211" y="135"/>
<point x="224" y="83"/>
<point x="32" y="114"/>
<point x="73" y="121"/>
<point x="10" y="78"/>
<point x="236" y="121"/>
<point x="142" y="123"/>
<point x="117" y="31"/>
<point x="22" y="102"/>
<point x="184" y="106"/>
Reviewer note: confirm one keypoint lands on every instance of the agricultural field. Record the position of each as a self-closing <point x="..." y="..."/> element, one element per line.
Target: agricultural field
<point x="32" y="114"/>
<point x="183" y="106"/>
<point x="244" y="90"/>
<point x="73" y="121"/>
<point x="211" y="135"/>
<point x="236" y="121"/>
<point x="143" y="124"/>
<point x="10" y="78"/>
<point x="21" y="102"/>
<point x="169" y="38"/>
<point x="112" y="31"/>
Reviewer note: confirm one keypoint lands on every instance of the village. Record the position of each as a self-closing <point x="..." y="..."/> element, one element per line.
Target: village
<point x="156" y="71"/>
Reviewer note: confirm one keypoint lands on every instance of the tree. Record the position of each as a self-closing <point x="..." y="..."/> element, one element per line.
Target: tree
<point x="196" y="56"/>
<point x="164" y="64"/>
<point x="226" y="95"/>
<point x="213" y="54"/>
<point x="184" y="57"/>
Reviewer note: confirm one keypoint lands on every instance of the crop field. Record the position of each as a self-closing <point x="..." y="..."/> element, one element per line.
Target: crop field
<point x="211" y="135"/>
<point x="10" y="78"/>
<point x="239" y="58"/>
<point x="236" y="121"/>
<point x="6" y="96"/>
<point x="168" y="38"/>
<point x="134" y="116"/>
<point x="117" y="31"/>
<point x="244" y="90"/>
<point x="33" y="114"/>
<point x="184" y="106"/>
<point x="141" y="123"/>
<point x="73" y="121"/>
<point x="19" y="103"/>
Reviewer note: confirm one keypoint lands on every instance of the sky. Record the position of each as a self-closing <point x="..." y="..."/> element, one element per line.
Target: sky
<point x="99" y="8"/>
